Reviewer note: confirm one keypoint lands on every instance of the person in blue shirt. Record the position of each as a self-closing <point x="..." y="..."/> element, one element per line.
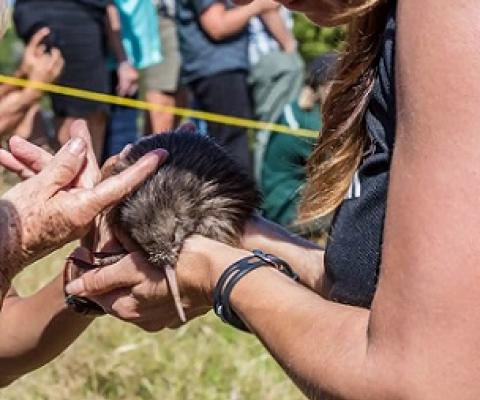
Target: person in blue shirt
<point x="135" y="44"/>
<point x="213" y="37"/>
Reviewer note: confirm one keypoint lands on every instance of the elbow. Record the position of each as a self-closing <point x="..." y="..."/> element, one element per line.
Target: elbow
<point x="217" y="33"/>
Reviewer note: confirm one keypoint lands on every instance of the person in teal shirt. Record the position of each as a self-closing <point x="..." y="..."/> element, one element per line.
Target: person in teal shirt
<point x="283" y="172"/>
<point x="135" y="44"/>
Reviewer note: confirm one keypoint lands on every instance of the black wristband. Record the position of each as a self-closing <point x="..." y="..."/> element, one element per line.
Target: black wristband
<point x="80" y="305"/>
<point x="233" y="274"/>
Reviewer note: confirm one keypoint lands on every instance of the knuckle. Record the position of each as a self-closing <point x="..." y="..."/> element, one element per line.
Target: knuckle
<point x="63" y="171"/>
<point x="95" y="281"/>
<point x="125" y="309"/>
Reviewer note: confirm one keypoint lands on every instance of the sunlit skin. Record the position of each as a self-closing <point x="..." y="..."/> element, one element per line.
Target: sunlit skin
<point x="420" y="338"/>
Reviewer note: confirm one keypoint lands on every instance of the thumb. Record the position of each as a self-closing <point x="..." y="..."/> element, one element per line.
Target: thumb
<point x="64" y="167"/>
<point x="123" y="274"/>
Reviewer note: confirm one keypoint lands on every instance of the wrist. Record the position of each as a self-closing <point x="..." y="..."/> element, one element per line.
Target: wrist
<point x="290" y="46"/>
<point x="237" y="272"/>
<point x="124" y="64"/>
<point x="220" y="259"/>
<point x="211" y="259"/>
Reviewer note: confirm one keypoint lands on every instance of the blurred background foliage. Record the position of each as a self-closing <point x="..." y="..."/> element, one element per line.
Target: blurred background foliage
<point x="10" y="52"/>
<point x="314" y="40"/>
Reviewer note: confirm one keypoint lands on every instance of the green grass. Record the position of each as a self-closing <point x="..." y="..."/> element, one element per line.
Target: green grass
<point x="203" y="360"/>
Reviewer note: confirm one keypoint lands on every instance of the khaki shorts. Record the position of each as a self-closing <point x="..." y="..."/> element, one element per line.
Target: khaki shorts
<point x="164" y="77"/>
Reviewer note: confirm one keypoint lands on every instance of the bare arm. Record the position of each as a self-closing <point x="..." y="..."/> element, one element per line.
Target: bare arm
<point x="305" y="257"/>
<point x="276" y="26"/>
<point x="127" y="75"/>
<point x="114" y="33"/>
<point x="221" y="23"/>
<point x="35" y="330"/>
<point x="420" y="340"/>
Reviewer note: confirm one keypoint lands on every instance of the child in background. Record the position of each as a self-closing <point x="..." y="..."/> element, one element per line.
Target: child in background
<point x="283" y="173"/>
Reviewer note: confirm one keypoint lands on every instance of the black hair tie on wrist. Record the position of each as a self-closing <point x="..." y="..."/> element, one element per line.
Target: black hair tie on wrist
<point x="232" y="275"/>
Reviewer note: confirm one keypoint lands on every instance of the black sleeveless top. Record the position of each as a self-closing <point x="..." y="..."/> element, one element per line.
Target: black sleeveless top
<point x="353" y="251"/>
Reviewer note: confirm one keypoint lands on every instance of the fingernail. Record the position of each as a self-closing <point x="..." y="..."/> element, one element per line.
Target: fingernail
<point x="75" y="287"/>
<point x="76" y="146"/>
<point x="125" y="150"/>
<point x="162" y="154"/>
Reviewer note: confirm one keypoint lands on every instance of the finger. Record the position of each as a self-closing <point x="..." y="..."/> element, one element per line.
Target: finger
<point x="8" y="161"/>
<point x="55" y="55"/>
<point x="133" y="89"/>
<point x="119" y="90"/>
<point x="32" y="156"/>
<point x="123" y="274"/>
<point x="63" y="168"/>
<point x="39" y="36"/>
<point x="115" y="188"/>
<point x="109" y="166"/>
<point x="125" y="151"/>
<point x="91" y="173"/>
<point x="119" y="303"/>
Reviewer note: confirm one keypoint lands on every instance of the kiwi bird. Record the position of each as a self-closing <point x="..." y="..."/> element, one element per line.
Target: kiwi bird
<point x="198" y="190"/>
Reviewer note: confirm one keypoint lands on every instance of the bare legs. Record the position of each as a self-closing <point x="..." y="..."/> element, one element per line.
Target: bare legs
<point x="158" y="121"/>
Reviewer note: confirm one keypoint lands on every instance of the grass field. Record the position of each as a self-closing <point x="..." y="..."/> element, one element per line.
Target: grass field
<point x="204" y="360"/>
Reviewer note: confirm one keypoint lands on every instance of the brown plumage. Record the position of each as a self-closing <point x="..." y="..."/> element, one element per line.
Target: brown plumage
<point x="198" y="190"/>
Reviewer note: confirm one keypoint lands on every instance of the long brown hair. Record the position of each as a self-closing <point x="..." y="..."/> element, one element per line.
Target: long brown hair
<point x="344" y="137"/>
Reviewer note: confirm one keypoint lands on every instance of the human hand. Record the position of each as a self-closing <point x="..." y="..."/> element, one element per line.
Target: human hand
<point x="59" y="203"/>
<point x="137" y="292"/>
<point x="127" y="79"/>
<point x="38" y="64"/>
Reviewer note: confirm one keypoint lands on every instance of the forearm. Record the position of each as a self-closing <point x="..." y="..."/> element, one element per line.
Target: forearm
<point x="14" y="106"/>
<point x="320" y="344"/>
<point x="114" y="34"/>
<point x="35" y="330"/>
<point x="6" y="89"/>
<point x="221" y="23"/>
<point x="305" y="257"/>
<point x="276" y="26"/>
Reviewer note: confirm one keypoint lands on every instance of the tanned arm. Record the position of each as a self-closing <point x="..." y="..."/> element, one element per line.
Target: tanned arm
<point x="36" y="329"/>
<point x="420" y="340"/>
<point x="276" y="26"/>
<point x="221" y="23"/>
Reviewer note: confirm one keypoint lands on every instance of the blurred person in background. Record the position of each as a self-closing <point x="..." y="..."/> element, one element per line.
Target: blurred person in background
<point x="135" y="44"/>
<point x="162" y="85"/>
<point x="213" y="38"/>
<point x="276" y="70"/>
<point x="283" y="173"/>
<point x="78" y="30"/>
<point x="19" y="107"/>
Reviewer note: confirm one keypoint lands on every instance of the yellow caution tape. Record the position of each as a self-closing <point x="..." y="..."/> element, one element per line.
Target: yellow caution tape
<point x="144" y="105"/>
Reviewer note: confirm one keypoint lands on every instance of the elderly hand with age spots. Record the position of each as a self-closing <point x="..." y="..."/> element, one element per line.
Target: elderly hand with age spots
<point x="59" y="203"/>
